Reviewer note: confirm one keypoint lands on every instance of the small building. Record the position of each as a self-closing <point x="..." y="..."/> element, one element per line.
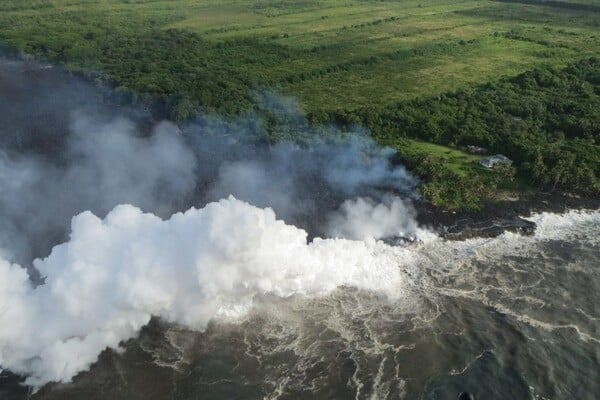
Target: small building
<point x="490" y="162"/>
<point x="476" y="150"/>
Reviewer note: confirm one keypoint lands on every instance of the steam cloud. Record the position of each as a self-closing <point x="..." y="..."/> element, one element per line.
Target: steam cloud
<point x="123" y="266"/>
<point x="365" y="219"/>
<point x="104" y="284"/>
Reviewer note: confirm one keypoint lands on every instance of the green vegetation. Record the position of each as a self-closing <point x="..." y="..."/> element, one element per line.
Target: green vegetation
<point x="453" y="178"/>
<point x="502" y="74"/>
<point x="546" y="120"/>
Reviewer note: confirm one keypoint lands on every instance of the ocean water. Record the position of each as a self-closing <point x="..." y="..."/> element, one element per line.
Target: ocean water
<point x="506" y="318"/>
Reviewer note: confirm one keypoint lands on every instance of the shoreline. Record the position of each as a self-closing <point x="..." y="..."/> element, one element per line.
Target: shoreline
<point x="498" y="217"/>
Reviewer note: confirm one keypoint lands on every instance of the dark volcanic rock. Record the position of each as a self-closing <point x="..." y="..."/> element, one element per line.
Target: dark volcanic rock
<point x="468" y="228"/>
<point x="11" y="387"/>
<point x="498" y="217"/>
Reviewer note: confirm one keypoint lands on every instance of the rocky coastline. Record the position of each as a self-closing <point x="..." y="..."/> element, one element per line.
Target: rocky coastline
<point x="495" y="218"/>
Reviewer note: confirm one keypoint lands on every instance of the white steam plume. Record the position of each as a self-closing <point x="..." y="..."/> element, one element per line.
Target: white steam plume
<point x="366" y="219"/>
<point x="103" y="285"/>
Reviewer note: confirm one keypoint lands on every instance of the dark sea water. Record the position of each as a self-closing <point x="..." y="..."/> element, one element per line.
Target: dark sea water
<point x="506" y="318"/>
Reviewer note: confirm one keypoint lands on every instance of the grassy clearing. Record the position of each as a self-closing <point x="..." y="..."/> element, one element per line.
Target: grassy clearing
<point x="456" y="160"/>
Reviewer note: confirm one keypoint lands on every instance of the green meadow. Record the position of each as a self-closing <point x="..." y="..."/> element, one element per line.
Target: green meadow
<point x="337" y="57"/>
<point x="331" y="54"/>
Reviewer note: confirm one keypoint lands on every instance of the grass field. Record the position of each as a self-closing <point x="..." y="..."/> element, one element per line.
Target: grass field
<point x="456" y="160"/>
<point x="331" y="54"/>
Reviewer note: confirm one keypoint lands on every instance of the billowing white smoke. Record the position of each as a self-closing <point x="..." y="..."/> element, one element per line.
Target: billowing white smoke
<point x="104" y="285"/>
